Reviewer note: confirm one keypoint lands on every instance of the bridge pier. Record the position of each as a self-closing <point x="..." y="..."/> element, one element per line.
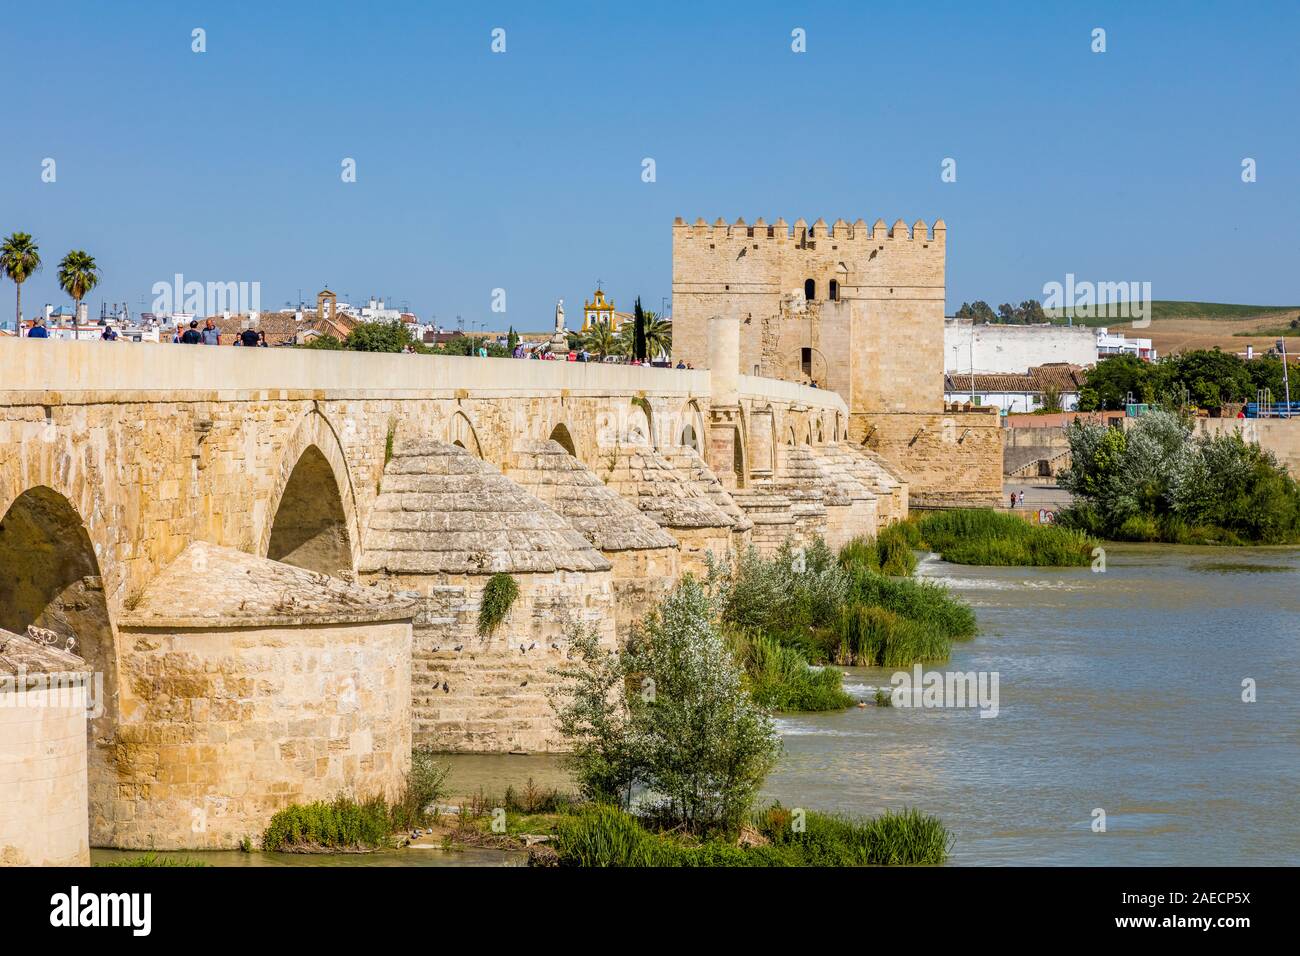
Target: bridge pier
<point x="444" y="523"/>
<point x="248" y="685"/>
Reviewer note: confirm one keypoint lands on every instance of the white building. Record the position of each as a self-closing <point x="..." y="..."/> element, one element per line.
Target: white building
<point x="374" y="311"/>
<point x="1016" y="392"/>
<point x="1117" y="343"/>
<point x="995" y="347"/>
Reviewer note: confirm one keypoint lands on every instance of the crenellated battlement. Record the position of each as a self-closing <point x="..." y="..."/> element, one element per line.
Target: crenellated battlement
<point x="800" y="232"/>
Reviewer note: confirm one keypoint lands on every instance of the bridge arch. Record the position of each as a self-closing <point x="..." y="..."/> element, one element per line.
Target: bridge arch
<point x="461" y="431"/>
<point x="689" y="427"/>
<point x="739" y="451"/>
<point x="311" y="522"/>
<point x="638" y="427"/>
<point x="50" y="579"/>
<point x="561" y="434"/>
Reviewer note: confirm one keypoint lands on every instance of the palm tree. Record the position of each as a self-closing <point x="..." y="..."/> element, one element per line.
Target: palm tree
<point x="19" y="258"/>
<point x="658" y="336"/>
<point x="624" y="340"/>
<point x="78" y="274"/>
<point x="601" y="340"/>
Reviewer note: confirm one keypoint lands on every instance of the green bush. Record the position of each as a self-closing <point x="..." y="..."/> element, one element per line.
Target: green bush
<point x="895" y="552"/>
<point x="498" y="596"/>
<point x="424" y="789"/>
<point x="793" y="590"/>
<point x="925" y="602"/>
<point x="860" y="553"/>
<point x="341" y="824"/>
<point x="780" y="677"/>
<point x="1138" y="528"/>
<point x="906" y="838"/>
<point x="986" y="537"/>
<point x="1158" y="478"/>
<point x="875" y="637"/>
<point x="689" y="732"/>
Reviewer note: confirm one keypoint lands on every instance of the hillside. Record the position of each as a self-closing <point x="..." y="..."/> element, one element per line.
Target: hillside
<point x="1163" y="310"/>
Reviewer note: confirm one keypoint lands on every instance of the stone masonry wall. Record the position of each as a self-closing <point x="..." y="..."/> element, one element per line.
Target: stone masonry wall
<point x="220" y="729"/>
<point x="950" y="458"/>
<point x="43" y="797"/>
<point x="487" y="694"/>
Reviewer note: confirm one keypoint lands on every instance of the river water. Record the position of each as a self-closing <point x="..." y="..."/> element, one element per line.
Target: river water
<point x="1119" y="691"/>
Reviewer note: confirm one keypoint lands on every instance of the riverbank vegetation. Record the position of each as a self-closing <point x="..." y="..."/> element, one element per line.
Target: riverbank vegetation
<point x="986" y="537"/>
<point x="602" y="835"/>
<point x="346" y="824"/>
<point x="155" y="860"/>
<point x="790" y="614"/>
<point x="1156" y="481"/>
<point x="669" y="748"/>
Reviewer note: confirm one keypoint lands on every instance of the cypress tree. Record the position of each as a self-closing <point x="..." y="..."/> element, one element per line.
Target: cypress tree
<point x="638" y="332"/>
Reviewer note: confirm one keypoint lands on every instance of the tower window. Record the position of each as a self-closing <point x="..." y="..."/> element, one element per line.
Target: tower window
<point x="834" y="292"/>
<point x="810" y="289"/>
<point x="805" y="360"/>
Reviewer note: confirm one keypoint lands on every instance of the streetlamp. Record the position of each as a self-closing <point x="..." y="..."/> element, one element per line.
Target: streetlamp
<point x="1286" y="381"/>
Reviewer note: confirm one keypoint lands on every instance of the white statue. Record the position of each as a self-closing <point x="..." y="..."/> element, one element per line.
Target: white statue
<point x="559" y="316"/>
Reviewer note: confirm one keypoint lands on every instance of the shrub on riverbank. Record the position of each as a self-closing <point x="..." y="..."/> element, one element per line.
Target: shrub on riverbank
<point x="425" y="787"/>
<point x="874" y="637"/>
<point x="340" y="824"/>
<point x="890" y="552"/>
<point x="1158" y="481"/>
<point x="607" y="836"/>
<point x="904" y="838"/>
<point x="927" y="603"/>
<point x="798" y="608"/>
<point x="781" y="679"/>
<point x="793" y="590"/>
<point x="982" y="536"/>
<point x="688" y="732"/>
<point x="348" y="824"/>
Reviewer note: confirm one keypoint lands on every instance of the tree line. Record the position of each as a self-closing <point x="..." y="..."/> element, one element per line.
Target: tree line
<point x="1203" y="378"/>
<point x="1029" y="312"/>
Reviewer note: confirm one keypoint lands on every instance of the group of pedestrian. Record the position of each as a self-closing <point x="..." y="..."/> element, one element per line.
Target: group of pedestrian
<point x="211" y="335"/>
<point x="1017" y="499"/>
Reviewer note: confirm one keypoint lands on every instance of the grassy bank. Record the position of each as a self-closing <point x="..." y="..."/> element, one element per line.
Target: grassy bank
<point x="154" y="860"/>
<point x="986" y="537"/>
<point x="350" y="825"/>
<point x="598" y="836"/>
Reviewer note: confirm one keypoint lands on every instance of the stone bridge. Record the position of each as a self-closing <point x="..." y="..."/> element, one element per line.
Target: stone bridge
<point x="274" y="561"/>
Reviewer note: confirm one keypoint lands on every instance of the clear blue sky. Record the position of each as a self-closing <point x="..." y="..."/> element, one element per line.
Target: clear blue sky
<point x="523" y="170"/>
